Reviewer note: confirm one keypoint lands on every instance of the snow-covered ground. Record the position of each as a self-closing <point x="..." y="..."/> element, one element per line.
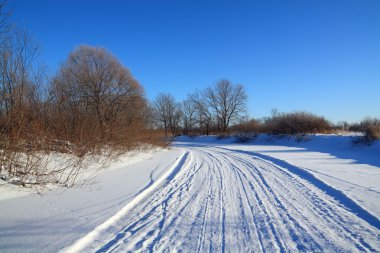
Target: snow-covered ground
<point x="211" y="195"/>
<point x="34" y="223"/>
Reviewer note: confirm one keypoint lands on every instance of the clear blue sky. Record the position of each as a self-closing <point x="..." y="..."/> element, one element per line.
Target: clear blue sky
<point x="321" y="56"/>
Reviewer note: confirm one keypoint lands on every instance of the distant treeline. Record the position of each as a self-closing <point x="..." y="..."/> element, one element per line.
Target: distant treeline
<point x="302" y="123"/>
<point x="210" y="111"/>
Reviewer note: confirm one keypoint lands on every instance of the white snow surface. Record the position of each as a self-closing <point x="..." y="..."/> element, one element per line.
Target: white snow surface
<point x="210" y="195"/>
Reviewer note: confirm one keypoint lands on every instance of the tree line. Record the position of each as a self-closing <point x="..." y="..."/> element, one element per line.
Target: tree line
<point x="210" y="111"/>
<point x="92" y="105"/>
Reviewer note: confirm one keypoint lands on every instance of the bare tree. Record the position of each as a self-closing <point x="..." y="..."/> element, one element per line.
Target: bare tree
<point x="98" y="96"/>
<point x="188" y="110"/>
<point x="168" y="113"/>
<point x="21" y="74"/>
<point x="22" y="133"/>
<point x="228" y="101"/>
<point x="5" y="26"/>
<point x="20" y="79"/>
<point x="203" y="115"/>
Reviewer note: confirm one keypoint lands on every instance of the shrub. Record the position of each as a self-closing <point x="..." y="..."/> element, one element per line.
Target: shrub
<point x="371" y="128"/>
<point x="246" y="130"/>
<point x="296" y="123"/>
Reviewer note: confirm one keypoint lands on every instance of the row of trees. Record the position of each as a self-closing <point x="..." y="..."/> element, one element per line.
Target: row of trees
<point x="90" y="105"/>
<point x="210" y="111"/>
<point x="93" y="100"/>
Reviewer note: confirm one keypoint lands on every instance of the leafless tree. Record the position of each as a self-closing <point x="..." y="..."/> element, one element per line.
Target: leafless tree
<point x="98" y="97"/>
<point x="22" y="133"/>
<point x="203" y="115"/>
<point x="21" y="74"/>
<point x="5" y="26"/>
<point x="20" y="79"/>
<point x="168" y="113"/>
<point x="228" y="101"/>
<point x="188" y="110"/>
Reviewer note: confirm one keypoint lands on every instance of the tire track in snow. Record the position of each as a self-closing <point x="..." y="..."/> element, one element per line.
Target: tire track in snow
<point x="359" y="243"/>
<point x="324" y="210"/>
<point x="224" y="200"/>
<point x="83" y="242"/>
<point x="201" y="238"/>
<point x="340" y="196"/>
<point x="153" y="209"/>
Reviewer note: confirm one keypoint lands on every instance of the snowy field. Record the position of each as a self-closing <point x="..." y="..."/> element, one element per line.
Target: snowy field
<point x="271" y="195"/>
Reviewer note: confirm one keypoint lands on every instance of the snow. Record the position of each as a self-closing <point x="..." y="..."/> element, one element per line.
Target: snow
<point x="62" y="215"/>
<point x="205" y="194"/>
<point x="90" y="237"/>
<point x="11" y="191"/>
<point x="334" y="159"/>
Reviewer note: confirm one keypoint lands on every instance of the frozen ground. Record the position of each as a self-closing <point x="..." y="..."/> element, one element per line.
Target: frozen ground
<point x="209" y="195"/>
<point x="34" y="223"/>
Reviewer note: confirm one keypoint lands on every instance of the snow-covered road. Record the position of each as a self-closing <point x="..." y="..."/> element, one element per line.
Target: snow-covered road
<point x="219" y="199"/>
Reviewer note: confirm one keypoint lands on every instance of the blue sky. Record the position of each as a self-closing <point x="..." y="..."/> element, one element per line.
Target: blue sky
<point x="321" y="56"/>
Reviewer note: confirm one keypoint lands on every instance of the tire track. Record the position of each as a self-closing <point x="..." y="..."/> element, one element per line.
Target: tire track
<point x="223" y="200"/>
